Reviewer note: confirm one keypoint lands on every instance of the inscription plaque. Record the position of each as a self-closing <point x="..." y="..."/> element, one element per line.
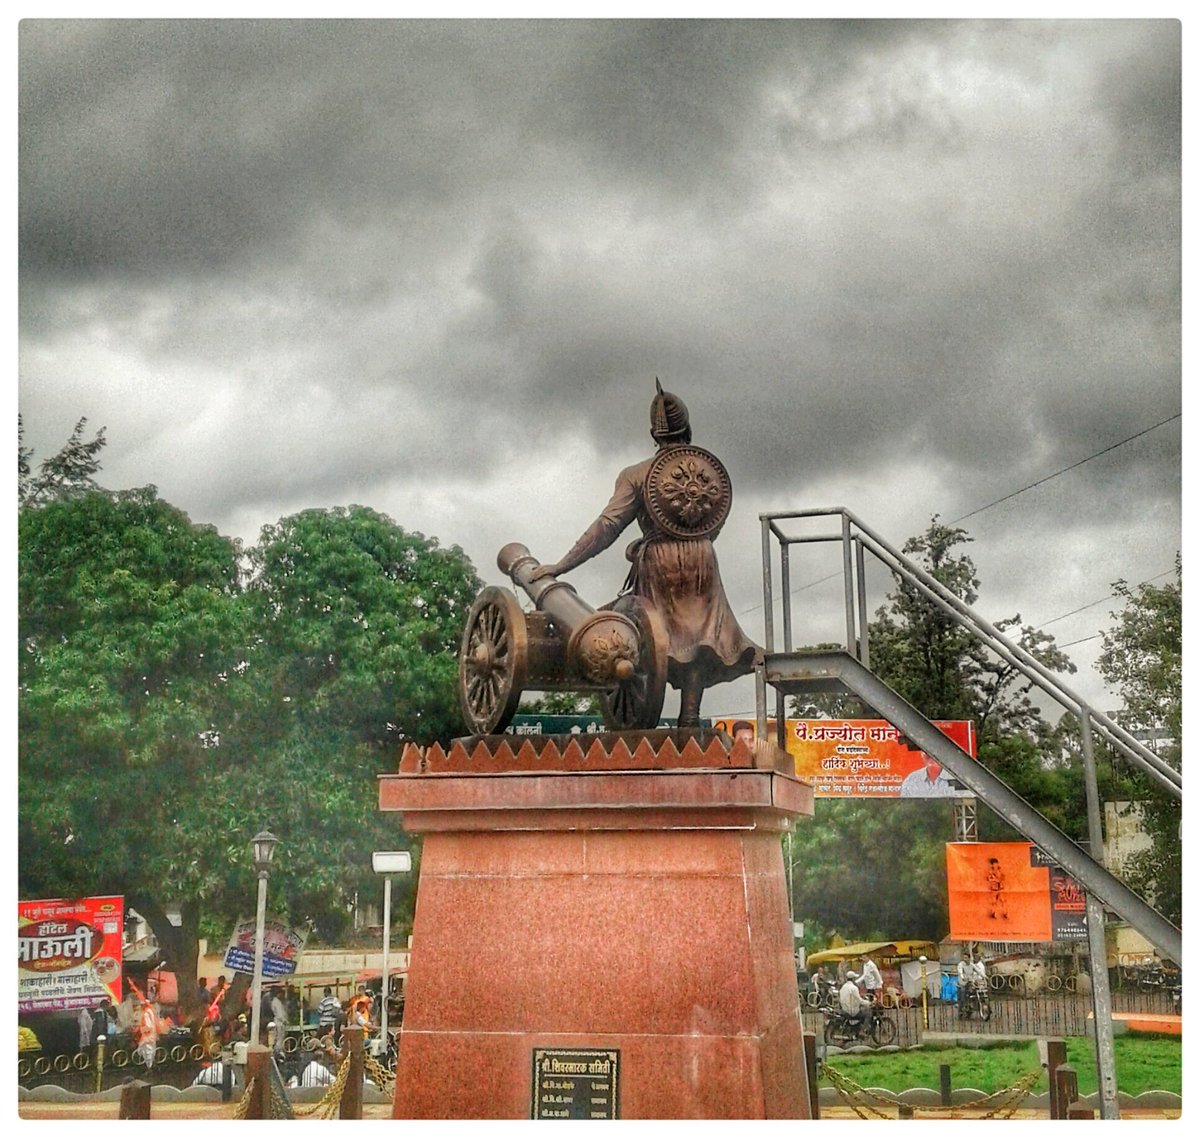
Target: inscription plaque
<point x="570" y="1082"/>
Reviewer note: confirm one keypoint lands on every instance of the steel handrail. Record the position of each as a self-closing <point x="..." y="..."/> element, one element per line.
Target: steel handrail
<point x="1032" y="668"/>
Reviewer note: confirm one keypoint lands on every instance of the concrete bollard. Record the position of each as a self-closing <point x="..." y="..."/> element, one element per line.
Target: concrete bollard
<point x="352" y="1095"/>
<point x="810" y="1064"/>
<point x="258" y="1082"/>
<point x="135" y="1100"/>
<point x="944" y="1080"/>
<point x="1056" y="1056"/>
<point x="1068" y="1089"/>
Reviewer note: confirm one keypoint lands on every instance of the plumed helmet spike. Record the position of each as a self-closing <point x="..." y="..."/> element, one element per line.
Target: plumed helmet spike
<point x="668" y="416"/>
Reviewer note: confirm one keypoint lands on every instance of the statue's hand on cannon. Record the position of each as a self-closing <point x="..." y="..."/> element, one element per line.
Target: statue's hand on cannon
<point x="566" y="645"/>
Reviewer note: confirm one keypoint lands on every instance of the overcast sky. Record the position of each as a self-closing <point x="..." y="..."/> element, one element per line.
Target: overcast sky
<point x="434" y="268"/>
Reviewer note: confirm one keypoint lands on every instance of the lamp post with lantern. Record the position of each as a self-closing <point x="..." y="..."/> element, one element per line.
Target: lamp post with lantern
<point x="263" y="844"/>
<point x="387" y="863"/>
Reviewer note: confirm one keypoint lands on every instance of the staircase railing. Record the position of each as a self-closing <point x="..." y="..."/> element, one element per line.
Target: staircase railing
<point x="857" y="539"/>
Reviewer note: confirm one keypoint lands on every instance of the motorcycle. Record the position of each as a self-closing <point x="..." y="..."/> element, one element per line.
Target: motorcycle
<point x="975" y="1001"/>
<point x="842" y="1030"/>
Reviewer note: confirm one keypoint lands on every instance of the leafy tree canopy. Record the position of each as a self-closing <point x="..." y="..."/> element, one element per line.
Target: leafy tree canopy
<point x="64" y="475"/>
<point x="170" y="705"/>
<point x="1142" y="659"/>
<point x="877" y="866"/>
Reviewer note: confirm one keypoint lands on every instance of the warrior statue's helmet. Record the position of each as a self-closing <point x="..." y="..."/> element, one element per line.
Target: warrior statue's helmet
<point x="669" y="418"/>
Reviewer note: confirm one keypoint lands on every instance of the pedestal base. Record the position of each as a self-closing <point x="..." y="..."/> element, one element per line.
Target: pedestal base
<point x="639" y="915"/>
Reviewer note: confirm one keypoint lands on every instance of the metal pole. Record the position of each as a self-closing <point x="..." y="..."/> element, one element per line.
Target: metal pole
<point x="924" y="996"/>
<point x="785" y="592"/>
<point x="768" y="598"/>
<point x="260" y="932"/>
<point x="864" y="649"/>
<point x="100" y="1041"/>
<point x="848" y="583"/>
<point x="790" y="885"/>
<point x="1106" y="1058"/>
<point x="387" y="940"/>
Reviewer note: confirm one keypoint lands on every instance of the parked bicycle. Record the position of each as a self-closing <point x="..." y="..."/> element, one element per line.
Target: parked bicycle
<point x="822" y="993"/>
<point x="1157" y="978"/>
<point x="842" y="1030"/>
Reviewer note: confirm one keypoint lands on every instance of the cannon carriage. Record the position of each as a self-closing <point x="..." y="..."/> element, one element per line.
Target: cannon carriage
<point x="619" y="652"/>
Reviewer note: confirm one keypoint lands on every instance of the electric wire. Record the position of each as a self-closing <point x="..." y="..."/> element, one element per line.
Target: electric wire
<point x="1007" y="497"/>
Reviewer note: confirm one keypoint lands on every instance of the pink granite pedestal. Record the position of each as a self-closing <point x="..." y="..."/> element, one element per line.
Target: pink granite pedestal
<point x="571" y="901"/>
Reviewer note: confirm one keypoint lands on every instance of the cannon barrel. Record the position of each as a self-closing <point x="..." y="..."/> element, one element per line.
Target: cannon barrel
<point x="602" y="644"/>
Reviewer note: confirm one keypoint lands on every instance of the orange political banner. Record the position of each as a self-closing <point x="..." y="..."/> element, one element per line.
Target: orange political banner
<point x="865" y="758"/>
<point x="997" y="892"/>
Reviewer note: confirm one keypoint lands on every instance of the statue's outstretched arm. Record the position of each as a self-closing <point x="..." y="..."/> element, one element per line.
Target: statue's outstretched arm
<point x="620" y="511"/>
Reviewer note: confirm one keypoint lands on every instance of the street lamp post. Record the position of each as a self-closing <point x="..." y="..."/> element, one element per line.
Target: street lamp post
<point x="387" y="863"/>
<point x="263" y="844"/>
<point x="924" y="993"/>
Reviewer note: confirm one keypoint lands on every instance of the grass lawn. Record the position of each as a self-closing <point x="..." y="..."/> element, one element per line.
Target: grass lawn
<point x="1144" y="1063"/>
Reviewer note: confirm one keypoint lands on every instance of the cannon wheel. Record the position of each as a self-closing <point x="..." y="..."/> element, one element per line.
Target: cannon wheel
<point x="637" y="702"/>
<point x="494" y="661"/>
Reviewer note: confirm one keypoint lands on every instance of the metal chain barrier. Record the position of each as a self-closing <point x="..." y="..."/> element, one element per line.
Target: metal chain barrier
<point x="332" y="1097"/>
<point x="850" y="1090"/>
<point x="1003" y="1103"/>
<point x="243" y="1104"/>
<point x="384" y="1079"/>
<point x="277" y="1107"/>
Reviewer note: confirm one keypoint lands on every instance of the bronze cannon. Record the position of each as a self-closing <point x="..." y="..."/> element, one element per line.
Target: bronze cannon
<point x="619" y="652"/>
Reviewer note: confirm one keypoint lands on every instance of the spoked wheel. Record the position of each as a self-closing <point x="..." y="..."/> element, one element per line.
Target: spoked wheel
<point x="883" y="1030"/>
<point x="985" y="1008"/>
<point x="636" y="703"/>
<point x="493" y="662"/>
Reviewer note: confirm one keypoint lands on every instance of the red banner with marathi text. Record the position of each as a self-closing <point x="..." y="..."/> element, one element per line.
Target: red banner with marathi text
<point x="69" y="953"/>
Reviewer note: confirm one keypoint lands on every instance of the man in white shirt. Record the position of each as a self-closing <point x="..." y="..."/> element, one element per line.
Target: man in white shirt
<point x="931" y="781"/>
<point x="965" y="972"/>
<point x="279" y="1015"/>
<point x="850" y="999"/>
<point x="872" y="979"/>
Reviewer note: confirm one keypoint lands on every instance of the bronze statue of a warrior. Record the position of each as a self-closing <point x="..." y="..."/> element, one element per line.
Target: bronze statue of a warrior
<point x="680" y="498"/>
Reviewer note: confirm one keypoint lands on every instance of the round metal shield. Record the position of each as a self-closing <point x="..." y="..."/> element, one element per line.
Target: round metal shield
<point x="688" y="492"/>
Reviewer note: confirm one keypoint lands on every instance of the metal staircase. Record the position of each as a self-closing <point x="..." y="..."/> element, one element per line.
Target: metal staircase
<point x="792" y="672"/>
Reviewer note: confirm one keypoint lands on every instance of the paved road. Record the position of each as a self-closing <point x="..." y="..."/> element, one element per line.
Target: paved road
<point x="190" y="1110"/>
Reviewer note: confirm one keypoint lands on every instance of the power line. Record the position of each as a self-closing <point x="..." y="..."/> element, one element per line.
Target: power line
<point x="1064" y="470"/>
<point x="1030" y="486"/>
<point x="1092" y="604"/>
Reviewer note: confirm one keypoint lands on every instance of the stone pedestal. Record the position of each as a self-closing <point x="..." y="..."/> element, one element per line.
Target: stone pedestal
<point x="600" y="932"/>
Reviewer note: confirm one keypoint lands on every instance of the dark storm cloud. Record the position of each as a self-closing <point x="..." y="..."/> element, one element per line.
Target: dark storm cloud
<point x="435" y="266"/>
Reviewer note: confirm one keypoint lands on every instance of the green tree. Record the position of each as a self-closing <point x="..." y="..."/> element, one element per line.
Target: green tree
<point x="1142" y="659"/>
<point x="358" y="624"/>
<point x="873" y="868"/>
<point x="878" y="865"/>
<point x="66" y="474"/>
<point x="130" y="636"/>
<point x="166" y="712"/>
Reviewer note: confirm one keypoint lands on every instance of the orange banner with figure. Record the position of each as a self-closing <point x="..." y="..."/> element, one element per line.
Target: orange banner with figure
<point x="864" y="758"/>
<point x="998" y="892"/>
